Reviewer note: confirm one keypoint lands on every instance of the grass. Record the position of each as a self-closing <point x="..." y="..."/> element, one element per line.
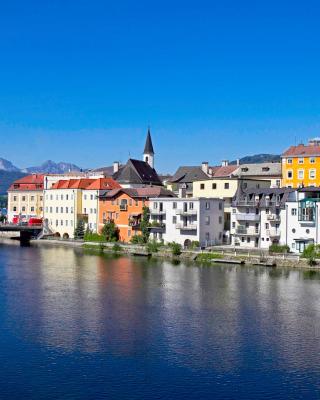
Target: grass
<point x="206" y="257"/>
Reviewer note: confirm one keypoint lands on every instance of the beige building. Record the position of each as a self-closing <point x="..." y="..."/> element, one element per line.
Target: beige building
<point x="68" y="201"/>
<point x="25" y="198"/>
<point x="225" y="188"/>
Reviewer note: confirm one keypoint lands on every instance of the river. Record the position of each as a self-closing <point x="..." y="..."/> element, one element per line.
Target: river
<point x="75" y="325"/>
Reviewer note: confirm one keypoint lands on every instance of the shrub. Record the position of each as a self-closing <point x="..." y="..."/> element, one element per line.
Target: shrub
<point x="311" y="252"/>
<point x="277" y="248"/>
<point x="206" y="257"/>
<point x="153" y="246"/>
<point x="110" y="231"/>
<point x="195" y="244"/>
<point x="145" y="224"/>
<point x="175" y="248"/>
<point x="93" y="237"/>
<point x="79" y="231"/>
<point x="137" y="239"/>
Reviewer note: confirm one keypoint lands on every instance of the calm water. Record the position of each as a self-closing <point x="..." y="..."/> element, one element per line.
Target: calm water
<point x="83" y="326"/>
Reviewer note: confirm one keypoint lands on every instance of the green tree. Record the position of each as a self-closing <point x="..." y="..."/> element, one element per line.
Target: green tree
<point x="110" y="231"/>
<point x="145" y="224"/>
<point x="79" y="231"/>
<point x="175" y="248"/>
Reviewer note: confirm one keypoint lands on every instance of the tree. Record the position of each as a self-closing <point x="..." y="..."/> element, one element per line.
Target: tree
<point x="79" y="231"/>
<point x="145" y="224"/>
<point x="110" y="231"/>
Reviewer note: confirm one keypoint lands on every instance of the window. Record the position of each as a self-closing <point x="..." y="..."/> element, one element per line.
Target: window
<point x="233" y="224"/>
<point x="32" y="209"/>
<point x="293" y="211"/>
<point x="234" y="210"/>
<point x="85" y="197"/>
<point x="300" y="174"/>
<point x="137" y="203"/>
<point x="14" y="208"/>
<point x="61" y="209"/>
<point x="71" y="223"/>
<point x="67" y="222"/>
<point x="130" y="202"/>
<point x="174" y="219"/>
<point x="300" y="160"/>
<point x="71" y="210"/>
<point x="91" y="196"/>
<point x="247" y="224"/>
<point x="289" y="174"/>
<point x="220" y="220"/>
<point x="174" y="205"/>
<point x="293" y="245"/>
<point x="293" y="230"/>
<point x="67" y="210"/>
<point x="84" y="211"/>
<point x="307" y="231"/>
<point x="61" y="222"/>
<point x="46" y="209"/>
<point x="214" y="186"/>
<point x="207" y="236"/>
<point x="278" y="182"/>
<point x="155" y="205"/>
<point x="312" y="160"/>
<point x="57" y="197"/>
<point x="267" y="210"/>
<point x="289" y="161"/>
<point x="57" y="222"/>
<point x="202" y="186"/>
<point x="67" y="197"/>
<point x="50" y="209"/>
<point x="91" y="210"/>
<point x="312" y="174"/>
<point x="14" y="198"/>
<point x="207" y="205"/>
<point x="220" y="206"/>
<point x="242" y="239"/>
<point x="248" y="240"/>
<point x="57" y="210"/>
<point x="23" y="198"/>
<point x="190" y="206"/>
<point x="62" y="197"/>
<point x="51" y="197"/>
<point x="32" y="198"/>
<point x="226" y="185"/>
<point x="95" y="211"/>
<point x="267" y="225"/>
<point x="207" y="220"/>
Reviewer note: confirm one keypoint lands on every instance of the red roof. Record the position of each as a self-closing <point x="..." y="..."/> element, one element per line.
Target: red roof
<point x="29" y="182"/>
<point x="103" y="184"/>
<point x="223" y="171"/>
<point x="88" y="184"/>
<point x="302" y="150"/>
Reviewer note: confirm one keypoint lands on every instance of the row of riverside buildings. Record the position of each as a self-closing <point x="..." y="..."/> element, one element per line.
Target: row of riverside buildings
<point x="244" y="205"/>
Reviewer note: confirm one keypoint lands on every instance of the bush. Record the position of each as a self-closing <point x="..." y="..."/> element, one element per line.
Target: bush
<point x="137" y="239"/>
<point x="311" y="252"/>
<point x="153" y="246"/>
<point x="175" y="248"/>
<point x="110" y="231"/>
<point x="93" y="237"/>
<point x="194" y="245"/>
<point x="277" y="248"/>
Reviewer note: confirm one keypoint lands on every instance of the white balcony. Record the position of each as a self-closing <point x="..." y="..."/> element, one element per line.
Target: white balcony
<point x="247" y="217"/>
<point x="273" y="233"/>
<point x="242" y="231"/>
<point x="186" y="212"/>
<point x="188" y="227"/>
<point x="157" y="212"/>
<point x="273" y="218"/>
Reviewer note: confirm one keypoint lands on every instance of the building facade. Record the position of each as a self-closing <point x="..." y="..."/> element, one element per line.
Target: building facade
<point x="187" y="220"/>
<point x="301" y="165"/>
<point x="25" y="198"/>
<point x="125" y="208"/>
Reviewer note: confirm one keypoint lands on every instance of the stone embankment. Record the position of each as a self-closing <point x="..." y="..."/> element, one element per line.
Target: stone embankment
<point x="215" y="255"/>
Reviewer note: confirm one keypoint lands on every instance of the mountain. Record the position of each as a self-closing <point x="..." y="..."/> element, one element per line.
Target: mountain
<point x="6" y="165"/>
<point x="7" y="177"/>
<point x="258" y="158"/>
<point x="50" y="167"/>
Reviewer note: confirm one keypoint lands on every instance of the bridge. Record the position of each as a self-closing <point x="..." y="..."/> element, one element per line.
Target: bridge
<point x="26" y="232"/>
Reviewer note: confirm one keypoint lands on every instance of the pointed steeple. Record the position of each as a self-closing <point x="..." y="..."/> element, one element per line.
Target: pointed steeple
<point x="148" y="148"/>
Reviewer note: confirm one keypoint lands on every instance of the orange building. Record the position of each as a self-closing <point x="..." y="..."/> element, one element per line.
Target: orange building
<point x="125" y="208"/>
<point x="301" y="165"/>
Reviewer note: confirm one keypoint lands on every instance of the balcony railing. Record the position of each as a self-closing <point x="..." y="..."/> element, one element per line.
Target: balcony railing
<point x="186" y="212"/>
<point x="248" y="231"/>
<point x="187" y="227"/>
<point x="157" y="212"/>
<point x="247" y="217"/>
<point x="254" y="203"/>
<point x="273" y="232"/>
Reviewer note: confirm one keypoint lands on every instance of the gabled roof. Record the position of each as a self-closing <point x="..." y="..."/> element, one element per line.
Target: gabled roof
<point x="29" y="182"/>
<point x="188" y="174"/>
<point x="302" y="150"/>
<point x="137" y="172"/>
<point x="251" y="194"/>
<point x="259" y="169"/>
<point x="148" y="148"/>
<point x="224" y="171"/>
<point x="143" y="192"/>
<point x="103" y="184"/>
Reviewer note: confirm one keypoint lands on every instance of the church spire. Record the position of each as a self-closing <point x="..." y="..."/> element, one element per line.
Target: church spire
<point x="148" y="153"/>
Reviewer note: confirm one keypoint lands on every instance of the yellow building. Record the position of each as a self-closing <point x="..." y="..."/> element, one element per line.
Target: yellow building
<point x="301" y="165"/>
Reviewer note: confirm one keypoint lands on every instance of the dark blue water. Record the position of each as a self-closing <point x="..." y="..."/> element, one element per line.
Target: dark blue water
<point x="83" y="326"/>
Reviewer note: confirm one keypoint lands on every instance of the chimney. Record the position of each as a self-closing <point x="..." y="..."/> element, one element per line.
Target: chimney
<point x="115" y="167"/>
<point x="205" y="167"/>
<point x="238" y="162"/>
<point x="182" y="191"/>
<point x="225" y="163"/>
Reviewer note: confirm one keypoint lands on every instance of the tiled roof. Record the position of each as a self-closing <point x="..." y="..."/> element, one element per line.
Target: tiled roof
<point x="188" y="174"/>
<point x="29" y="182"/>
<point x="137" y="172"/>
<point x="302" y="150"/>
<point x="223" y="171"/>
<point x="103" y="184"/>
<point x="72" y="184"/>
<point x="143" y="192"/>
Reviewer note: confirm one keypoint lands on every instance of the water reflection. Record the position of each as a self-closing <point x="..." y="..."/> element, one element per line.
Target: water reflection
<point x="224" y="319"/>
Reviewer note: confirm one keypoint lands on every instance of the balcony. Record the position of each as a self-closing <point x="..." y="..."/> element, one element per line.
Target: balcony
<point x="273" y="233"/>
<point x="273" y="218"/>
<point x="157" y="228"/>
<point x="157" y="212"/>
<point x="248" y="231"/>
<point x="248" y="203"/>
<point x="188" y="227"/>
<point x="186" y="213"/>
<point x="247" y="217"/>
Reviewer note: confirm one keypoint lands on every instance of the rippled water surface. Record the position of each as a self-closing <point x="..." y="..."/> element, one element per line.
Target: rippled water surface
<point x="84" y="326"/>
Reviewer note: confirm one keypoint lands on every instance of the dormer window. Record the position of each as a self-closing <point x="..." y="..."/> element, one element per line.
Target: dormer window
<point x="245" y="169"/>
<point x="265" y="169"/>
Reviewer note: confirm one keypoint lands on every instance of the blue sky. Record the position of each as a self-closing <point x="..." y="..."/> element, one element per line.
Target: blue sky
<point x="81" y="80"/>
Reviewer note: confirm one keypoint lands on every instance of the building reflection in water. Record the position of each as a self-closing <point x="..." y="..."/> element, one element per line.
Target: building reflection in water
<point x="75" y="302"/>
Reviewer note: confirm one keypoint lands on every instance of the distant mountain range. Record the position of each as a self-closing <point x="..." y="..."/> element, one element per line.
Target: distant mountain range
<point x="50" y="167"/>
<point x="258" y="159"/>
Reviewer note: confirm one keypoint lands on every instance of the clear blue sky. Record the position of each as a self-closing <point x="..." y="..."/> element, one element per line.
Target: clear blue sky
<point x="81" y="80"/>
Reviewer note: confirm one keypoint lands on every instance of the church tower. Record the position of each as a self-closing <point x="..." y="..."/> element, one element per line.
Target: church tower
<point x="148" y="154"/>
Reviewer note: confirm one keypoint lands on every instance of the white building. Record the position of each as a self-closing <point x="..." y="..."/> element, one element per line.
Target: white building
<point x="303" y="219"/>
<point x="187" y="220"/>
<point x="259" y="217"/>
